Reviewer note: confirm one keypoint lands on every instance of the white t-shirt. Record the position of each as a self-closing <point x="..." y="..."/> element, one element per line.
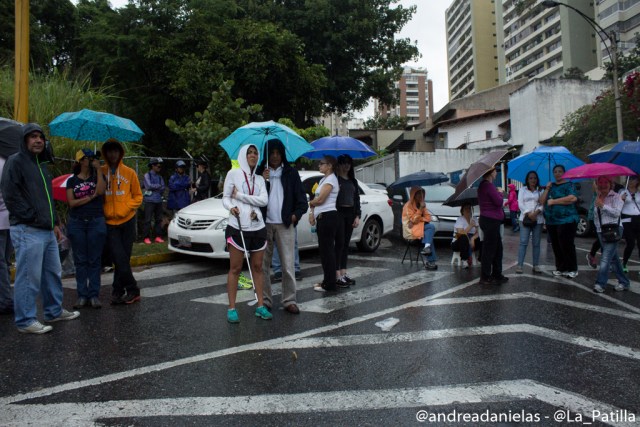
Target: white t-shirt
<point x="330" y="202"/>
<point x="461" y="222"/>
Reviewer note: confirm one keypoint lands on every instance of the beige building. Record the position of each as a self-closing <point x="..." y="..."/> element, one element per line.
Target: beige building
<point x="538" y="42"/>
<point x="471" y="47"/>
<point x="620" y="17"/>
<point x="416" y="97"/>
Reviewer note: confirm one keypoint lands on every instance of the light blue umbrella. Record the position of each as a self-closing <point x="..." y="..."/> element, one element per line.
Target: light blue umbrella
<point x="259" y="133"/>
<point x="337" y="145"/>
<point x="89" y="125"/>
<point x="542" y="160"/>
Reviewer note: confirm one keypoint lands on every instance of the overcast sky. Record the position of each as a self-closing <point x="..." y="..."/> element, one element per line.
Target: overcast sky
<point x="428" y="29"/>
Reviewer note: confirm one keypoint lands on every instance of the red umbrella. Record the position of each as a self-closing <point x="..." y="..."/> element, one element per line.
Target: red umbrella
<point x="595" y="170"/>
<point x="59" y="184"/>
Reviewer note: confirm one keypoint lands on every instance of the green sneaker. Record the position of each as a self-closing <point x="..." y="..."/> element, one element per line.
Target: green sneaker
<point x="244" y="282"/>
<point x="263" y="313"/>
<point x="624" y="268"/>
<point x="232" y="316"/>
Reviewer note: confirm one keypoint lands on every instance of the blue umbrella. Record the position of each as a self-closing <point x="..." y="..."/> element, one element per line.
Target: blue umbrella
<point x="542" y="160"/>
<point x="259" y="133"/>
<point x="338" y="145"/>
<point x="624" y="153"/>
<point x="421" y="178"/>
<point x="89" y="125"/>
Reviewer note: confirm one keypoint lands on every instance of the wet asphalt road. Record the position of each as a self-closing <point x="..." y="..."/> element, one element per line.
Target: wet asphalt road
<point x="538" y="350"/>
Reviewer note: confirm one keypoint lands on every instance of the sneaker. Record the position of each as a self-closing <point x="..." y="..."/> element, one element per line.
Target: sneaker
<point x="263" y="313"/>
<point x="232" y="316"/>
<point x="319" y="288"/>
<point x="486" y="281"/>
<point x="598" y="289"/>
<point x="624" y="268"/>
<point x="81" y="302"/>
<point x="519" y="269"/>
<point x="349" y="280"/>
<point x="147" y="241"/>
<point x="36" y="328"/>
<point x="592" y="261"/>
<point x="131" y="299"/>
<point x="431" y="266"/>
<point x="277" y="277"/>
<point x="341" y="283"/>
<point x="557" y="273"/>
<point x="107" y="268"/>
<point x="620" y="287"/>
<point x="244" y="286"/>
<point x="244" y="282"/>
<point x="65" y="315"/>
<point x="95" y="302"/>
<point x="158" y="240"/>
<point x="536" y="269"/>
<point x="571" y="274"/>
<point x="117" y="300"/>
<point x="426" y="250"/>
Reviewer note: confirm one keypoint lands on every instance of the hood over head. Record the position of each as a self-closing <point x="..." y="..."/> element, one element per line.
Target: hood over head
<point x="414" y="190"/>
<point x="26" y="130"/>
<point x="110" y="144"/>
<point x="511" y="186"/>
<point x="242" y="159"/>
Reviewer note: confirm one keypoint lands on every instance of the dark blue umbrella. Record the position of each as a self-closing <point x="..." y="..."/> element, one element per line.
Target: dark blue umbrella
<point x="467" y="197"/>
<point x="89" y="125"/>
<point x="337" y="145"/>
<point x="421" y="179"/>
<point x="624" y="153"/>
<point x="542" y="160"/>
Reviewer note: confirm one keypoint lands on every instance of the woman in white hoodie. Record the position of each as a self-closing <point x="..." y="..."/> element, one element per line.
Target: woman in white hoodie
<point x="244" y="194"/>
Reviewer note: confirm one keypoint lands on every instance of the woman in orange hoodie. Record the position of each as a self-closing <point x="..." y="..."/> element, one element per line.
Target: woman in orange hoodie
<point x="416" y="224"/>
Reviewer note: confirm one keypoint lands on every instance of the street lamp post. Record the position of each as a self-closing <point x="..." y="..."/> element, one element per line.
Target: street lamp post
<point x="613" y="54"/>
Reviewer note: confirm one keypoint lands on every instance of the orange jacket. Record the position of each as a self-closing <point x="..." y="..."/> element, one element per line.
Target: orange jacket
<point x="123" y="194"/>
<point x="411" y="212"/>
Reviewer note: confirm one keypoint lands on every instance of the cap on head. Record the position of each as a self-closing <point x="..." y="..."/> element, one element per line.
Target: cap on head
<point x="155" y="161"/>
<point x="181" y="164"/>
<point x="84" y="152"/>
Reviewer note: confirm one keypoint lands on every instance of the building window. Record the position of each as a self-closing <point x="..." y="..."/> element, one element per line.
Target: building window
<point x="488" y="134"/>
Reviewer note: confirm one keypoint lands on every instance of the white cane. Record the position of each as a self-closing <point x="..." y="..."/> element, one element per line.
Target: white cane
<point x="246" y="255"/>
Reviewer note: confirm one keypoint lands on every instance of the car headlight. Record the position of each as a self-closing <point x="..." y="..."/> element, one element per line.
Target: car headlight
<point x="222" y="224"/>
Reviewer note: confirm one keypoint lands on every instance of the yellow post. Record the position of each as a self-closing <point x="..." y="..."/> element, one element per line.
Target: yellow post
<point x="21" y="92"/>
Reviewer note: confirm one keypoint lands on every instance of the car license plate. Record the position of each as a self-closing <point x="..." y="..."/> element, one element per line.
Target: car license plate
<point x="184" y="241"/>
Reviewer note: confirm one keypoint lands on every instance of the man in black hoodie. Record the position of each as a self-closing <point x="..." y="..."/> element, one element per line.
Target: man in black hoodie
<point x="27" y="191"/>
<point x="287" y="204"/>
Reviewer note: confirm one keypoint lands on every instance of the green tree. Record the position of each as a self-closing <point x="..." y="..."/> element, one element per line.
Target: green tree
<point x="392" y="122"/>
<point x="574" y="73"/>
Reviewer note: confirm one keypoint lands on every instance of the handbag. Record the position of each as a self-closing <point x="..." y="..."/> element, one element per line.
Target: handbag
<point x="610" y="233"/>
<point x="528" y="222"/>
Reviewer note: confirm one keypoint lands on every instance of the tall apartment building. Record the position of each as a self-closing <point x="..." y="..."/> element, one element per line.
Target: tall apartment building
<point x="543" y="42"/>
<point x="471" y="47"/>
<point x="621" y="17"/>
<point x="416" y="97"/>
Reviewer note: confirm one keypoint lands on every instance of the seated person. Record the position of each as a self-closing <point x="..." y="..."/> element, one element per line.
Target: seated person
<point x="465" y="234"/>
<point x="416" y="225"/>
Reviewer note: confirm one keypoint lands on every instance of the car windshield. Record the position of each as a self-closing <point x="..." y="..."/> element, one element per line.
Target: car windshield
<point x="437" y="193"/>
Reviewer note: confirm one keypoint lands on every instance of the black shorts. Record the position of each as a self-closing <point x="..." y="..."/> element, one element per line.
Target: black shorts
<point x="256" y="240"/>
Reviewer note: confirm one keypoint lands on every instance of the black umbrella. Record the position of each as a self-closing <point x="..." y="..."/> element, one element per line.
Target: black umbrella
<point x="421" y="178"/>
<point x="10" y="137"/>
<point x="467" y="197"/>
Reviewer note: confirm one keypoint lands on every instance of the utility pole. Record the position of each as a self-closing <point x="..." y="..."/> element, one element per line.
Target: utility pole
<point x="21" y="77"/>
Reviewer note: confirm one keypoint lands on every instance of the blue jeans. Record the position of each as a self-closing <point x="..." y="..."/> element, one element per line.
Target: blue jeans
<point x="514" y="220"/>
<point x="6" y="294"/>
<point x="525" y="232"/>
<point x="429" y="231"/>
<point x="276" y="264"/>
<point x="38" y="271"/>
<point x="87" y="240"/>
<point x="610" y="257"/>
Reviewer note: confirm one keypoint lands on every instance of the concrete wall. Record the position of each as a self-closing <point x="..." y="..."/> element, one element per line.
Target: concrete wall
<point x="537" y="109"/>
<point x="472" y="130"/>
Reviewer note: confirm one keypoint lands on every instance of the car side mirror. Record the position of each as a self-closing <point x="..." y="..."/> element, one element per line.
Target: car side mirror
<point x="397" y="198"/>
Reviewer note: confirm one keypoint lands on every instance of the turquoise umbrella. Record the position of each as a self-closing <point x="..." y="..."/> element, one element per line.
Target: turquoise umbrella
<point x="89" y="125"/>
<point x="259" y="133"/>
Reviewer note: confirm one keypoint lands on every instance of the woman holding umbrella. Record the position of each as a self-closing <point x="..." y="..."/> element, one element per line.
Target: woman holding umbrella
<point x="86" y="228"/>
<point x="348" y="207"/>
<point x="631" y="219"/>
<point x="244" y="194"/>
<point x="491" y="217"/>
<point x="608" y="206"/>
<point x="559" y="201"/>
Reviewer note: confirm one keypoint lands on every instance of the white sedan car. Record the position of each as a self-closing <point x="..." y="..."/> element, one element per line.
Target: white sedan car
<point x="199" y="228"/>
